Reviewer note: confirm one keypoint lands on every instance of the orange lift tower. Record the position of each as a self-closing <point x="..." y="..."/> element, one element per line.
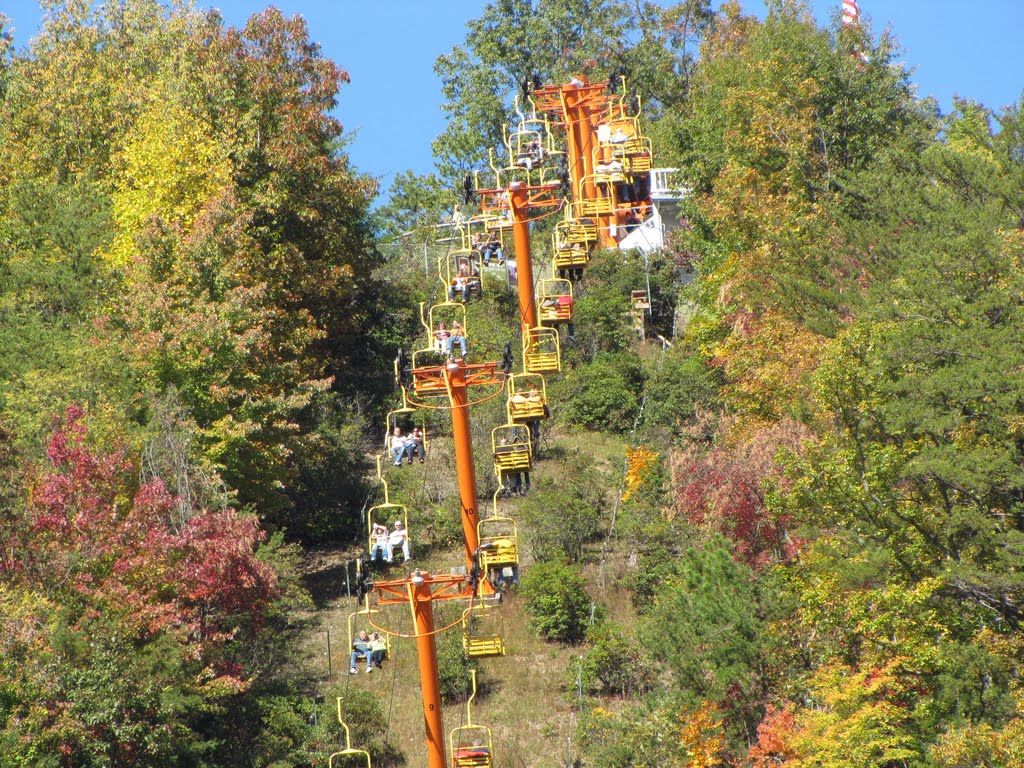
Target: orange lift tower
<point x="523" y="198"/>
<point x="519" y="200"/>
<point x="578" y="105"/>
<point x="420" y="591"/>
<point x="453" y="380"/>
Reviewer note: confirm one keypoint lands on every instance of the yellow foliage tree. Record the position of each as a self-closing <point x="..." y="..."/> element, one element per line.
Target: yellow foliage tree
<point x="639" y="461"/>
<point x="860" y="719"/>
<point x="171" y="166"/>
<point x="982" y="746"/>
<point x="701" y="735"/>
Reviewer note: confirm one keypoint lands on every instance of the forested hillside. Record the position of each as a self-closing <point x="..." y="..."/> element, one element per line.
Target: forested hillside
<point x="786" y="528"/>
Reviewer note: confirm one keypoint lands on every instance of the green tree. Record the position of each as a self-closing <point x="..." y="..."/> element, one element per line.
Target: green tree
<point x="704" y="622"/>
<point x="513" y="40"/>
<point x="578" y="495"/>
<point x="604" y="394"/>
<point x="916" y="477"/>
<point x="557" y="601"/>
<point x="921" y="461"/>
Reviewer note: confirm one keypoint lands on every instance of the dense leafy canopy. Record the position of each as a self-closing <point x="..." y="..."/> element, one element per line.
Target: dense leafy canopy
<point x="185" y="259"/>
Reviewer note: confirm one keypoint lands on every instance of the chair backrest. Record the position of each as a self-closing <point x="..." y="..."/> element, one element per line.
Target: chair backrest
<point x="348" y="755"/>
<point x="511" y="448"/>
<point x="541" y="351"/>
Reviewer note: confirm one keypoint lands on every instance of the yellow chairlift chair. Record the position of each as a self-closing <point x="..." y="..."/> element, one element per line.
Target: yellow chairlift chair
<point x="399" y="417"/>
<point x="427" y="363"/>
<point x="365" y="611"/>
<point x="572" y="241"/>
<point x="554" y="300"/>
<point x="380" y="517"/>
<point x="577" y="228"/>
<point x="603" y="201"/>
<point x="469" y="744"/>
<point x="499" y="546"/>
<point x="620" y="139"/>
<point x="463" y="268"/>
<point x="569" y="256"/>
<point x="541" y="350"/>
<point x="526" y="148"/>
<point x="491" y="249"/>
<point x="511" y="448"/>
<point x="476" y="644"/>
<point x="348" y="757"/>
<point x="528" y="144"/>
<point x="527" y="398"/>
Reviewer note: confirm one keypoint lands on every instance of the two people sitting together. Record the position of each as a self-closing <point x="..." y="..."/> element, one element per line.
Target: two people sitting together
<point x="530" y="154"/>
<point x="371" y="647"/>
<point x="445" y="341"/>
<point x="385" y="542"/>
<point x="489" y="247"/>
<point x="466" y="279"/>
<point x="406" y="446"/>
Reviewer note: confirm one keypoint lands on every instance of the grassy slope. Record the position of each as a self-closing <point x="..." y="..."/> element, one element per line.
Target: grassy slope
<point x="526" y="697"/>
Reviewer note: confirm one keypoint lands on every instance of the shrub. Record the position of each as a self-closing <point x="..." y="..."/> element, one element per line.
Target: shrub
<point x="655" y="567"/>
<point x="557" y="601"/>
<point x="676" y="386"/>
<point x="643" y="735"/>
<point x="618" y="664"/>
<point x="604" y="394"/>
<point x="452" y="664"/>
<point x="564" y="513"/>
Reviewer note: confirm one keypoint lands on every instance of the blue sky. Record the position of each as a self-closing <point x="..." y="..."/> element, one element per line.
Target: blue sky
<point x="970" y="48"/>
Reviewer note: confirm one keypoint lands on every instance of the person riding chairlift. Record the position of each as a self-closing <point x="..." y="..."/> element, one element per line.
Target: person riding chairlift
<point x="410" y="447"/>
<point x="480" y="243"/>
<point x="463" y="282"/>
<point x="396" y="446"/>
<point x="399" y="539"/>
<point x="415" y="445"/>
<point x="492" y="250"/>
<point x="381" y="544"/>
<point x="457" y="337"/>
<point x="360" y="647"/>
<point x="378" y="651"/>
<point x="518" y="482"/>
<point x="530" y="154"/>
<point x="441" y="339"/>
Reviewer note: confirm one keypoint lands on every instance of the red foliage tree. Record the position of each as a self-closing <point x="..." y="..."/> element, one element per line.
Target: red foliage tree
<point x="774" y="735"/>
<point x="721" y="486"/>
<point x="91" y="535"/>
